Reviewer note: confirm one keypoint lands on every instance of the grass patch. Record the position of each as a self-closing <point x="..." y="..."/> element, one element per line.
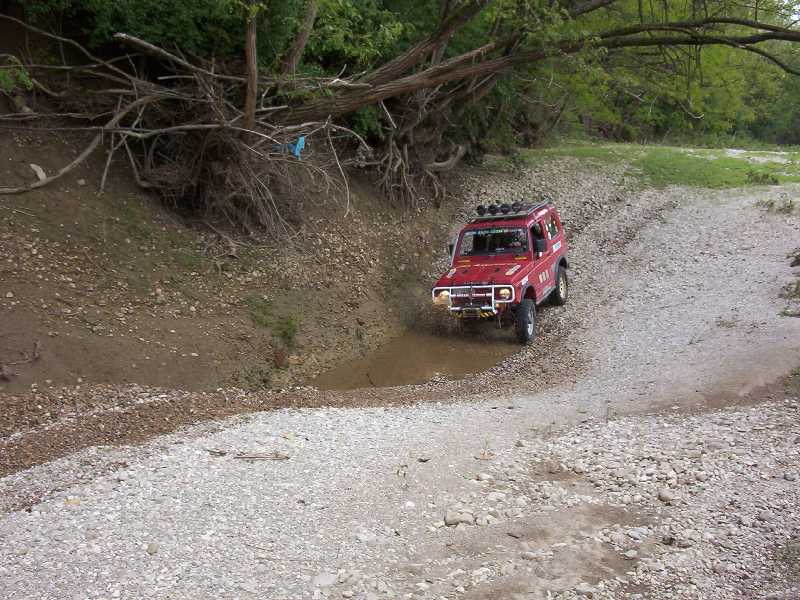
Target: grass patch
<point x="785" y="206"/>
<point x="260" y="310"/>
<point x="761" y="178"/>
<point x="606" y="153"/>
<point x="286" y="329"/>
<point x="135" y="219"/>
<point x="661" y="166"/>
<point x="189" y="260"/>
<point x="262" y="313"/>
<point x="673" y="166"/>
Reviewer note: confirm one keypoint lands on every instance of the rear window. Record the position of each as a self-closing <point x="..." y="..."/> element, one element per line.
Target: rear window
<point x="495" y="240"/>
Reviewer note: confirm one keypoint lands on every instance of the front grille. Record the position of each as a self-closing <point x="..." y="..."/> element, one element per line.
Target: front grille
<point x="471" y="297"/>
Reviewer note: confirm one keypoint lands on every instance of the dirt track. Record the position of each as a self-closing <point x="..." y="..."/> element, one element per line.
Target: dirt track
<point x="675" y="305"/>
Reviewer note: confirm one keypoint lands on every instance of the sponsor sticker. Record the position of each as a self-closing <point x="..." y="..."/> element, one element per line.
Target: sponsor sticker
<point x="556" y="246"/>
<point x="513" y="269"/>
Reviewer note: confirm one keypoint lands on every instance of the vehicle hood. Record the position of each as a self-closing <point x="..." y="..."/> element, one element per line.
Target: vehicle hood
<point x="481" y="272"/>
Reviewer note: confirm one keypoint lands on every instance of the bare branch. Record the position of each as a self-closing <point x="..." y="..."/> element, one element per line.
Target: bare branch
<point x="156" y="51"/>
<point x="449" y="163"/>
<point x="86" y="152"/>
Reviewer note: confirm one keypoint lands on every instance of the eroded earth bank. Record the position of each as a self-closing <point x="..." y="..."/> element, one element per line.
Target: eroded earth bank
<point x="646" y="447"/>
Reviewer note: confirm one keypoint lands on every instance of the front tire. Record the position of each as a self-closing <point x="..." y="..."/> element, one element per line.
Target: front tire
<point x="559" y="295"/>
<point x="525" y="322"/>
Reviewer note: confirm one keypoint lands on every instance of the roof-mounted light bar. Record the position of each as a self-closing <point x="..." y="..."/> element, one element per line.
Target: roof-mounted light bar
<point x="506" y="211"/>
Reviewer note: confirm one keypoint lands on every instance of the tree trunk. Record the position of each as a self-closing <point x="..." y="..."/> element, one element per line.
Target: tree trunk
<point x="292" y="59"/>
<point x="411" y="57"/>
<point x="252" y="68"/>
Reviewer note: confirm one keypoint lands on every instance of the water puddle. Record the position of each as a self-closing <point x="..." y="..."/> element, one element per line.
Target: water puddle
<point x="417" y="357"/>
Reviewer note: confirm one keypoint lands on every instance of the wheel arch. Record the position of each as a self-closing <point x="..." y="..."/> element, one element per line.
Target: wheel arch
<point x="528" y="292"/>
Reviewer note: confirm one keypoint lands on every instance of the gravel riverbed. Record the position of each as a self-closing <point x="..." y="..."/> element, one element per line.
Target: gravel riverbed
<point x="552" y="484"/>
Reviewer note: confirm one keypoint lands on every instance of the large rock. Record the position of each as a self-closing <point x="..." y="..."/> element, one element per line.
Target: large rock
<point x="454" y="517"/>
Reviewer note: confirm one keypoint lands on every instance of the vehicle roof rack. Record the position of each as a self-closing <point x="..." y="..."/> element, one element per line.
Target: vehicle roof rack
<point x="524" y="211"/>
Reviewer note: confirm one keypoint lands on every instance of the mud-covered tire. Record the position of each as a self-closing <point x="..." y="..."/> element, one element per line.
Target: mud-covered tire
<point x="559" y="296"/>
<point x="525" y="321"/>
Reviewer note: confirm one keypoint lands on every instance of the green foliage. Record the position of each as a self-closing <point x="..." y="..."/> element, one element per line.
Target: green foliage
<point x="712" y="94"/>
<point x="367" y="122"/>
<point x="353" y="34"/>
<point x="286" y="329"/>
<point x="198" y="26"/>
<point x="13" y="75"/>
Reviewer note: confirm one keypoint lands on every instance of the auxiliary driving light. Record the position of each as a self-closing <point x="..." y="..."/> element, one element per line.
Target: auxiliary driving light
<point x="493" y="209"/>
<point x="504" y="293"/>
<point x="481" y="210"/>
<point x="504" y="208"/>
<point x="442" y="297"/>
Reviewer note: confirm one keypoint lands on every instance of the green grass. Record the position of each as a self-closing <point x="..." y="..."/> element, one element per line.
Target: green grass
<point x="135" y="219"/>
<point x="262" y="313"/>
<point x="189" y="260"/>
<point x="672" y="166"/>
<point x="606" y="153"/>
<point x="286" y="329"/>
<point x="260" y="310"/>
<point x="661" y="166"/>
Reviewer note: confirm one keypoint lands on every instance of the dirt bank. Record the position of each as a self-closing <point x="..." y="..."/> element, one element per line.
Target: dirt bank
<point x="116" y="290"/>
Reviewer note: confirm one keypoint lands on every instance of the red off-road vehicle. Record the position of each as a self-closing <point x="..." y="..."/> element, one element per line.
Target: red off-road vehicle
<point x="507" y="260"/>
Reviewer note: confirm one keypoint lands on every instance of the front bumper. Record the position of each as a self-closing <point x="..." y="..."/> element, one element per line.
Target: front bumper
<point x="475" y="301"/>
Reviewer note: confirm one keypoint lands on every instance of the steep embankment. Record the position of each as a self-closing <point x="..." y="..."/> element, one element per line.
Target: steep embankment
<point x="111" y="288"/>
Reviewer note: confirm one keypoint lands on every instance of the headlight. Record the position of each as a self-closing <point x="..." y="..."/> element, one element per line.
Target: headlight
<point x="442" y="297"/>
<point x="504" y="293"/>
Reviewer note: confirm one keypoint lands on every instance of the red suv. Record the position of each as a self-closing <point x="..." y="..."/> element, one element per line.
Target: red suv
<point x="507" y="260"/>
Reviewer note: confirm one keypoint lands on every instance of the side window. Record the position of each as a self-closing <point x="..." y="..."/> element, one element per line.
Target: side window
<point x="552" y="228"/>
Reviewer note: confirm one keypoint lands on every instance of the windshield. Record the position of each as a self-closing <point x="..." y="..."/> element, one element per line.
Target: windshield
<point x="497" y="240"/>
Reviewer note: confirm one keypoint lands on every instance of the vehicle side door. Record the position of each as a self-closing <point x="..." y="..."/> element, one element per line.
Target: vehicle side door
<point x="538" y="277"/>
<point x="555" y="240"/>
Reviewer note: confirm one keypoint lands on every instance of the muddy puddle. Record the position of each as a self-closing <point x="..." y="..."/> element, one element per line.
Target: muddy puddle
<point x="417" y="357"/>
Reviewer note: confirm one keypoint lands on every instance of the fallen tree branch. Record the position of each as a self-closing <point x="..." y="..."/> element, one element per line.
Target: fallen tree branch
<point x="83" y="155"/>
<point x="450" y="163"/>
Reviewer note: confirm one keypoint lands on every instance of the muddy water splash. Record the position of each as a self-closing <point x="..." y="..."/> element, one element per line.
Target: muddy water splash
<point x="417" y="357"/>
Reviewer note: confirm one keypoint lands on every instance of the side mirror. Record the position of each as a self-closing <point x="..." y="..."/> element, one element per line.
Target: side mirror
<point x="450" y="248"/>
<point x="540" y="245"/>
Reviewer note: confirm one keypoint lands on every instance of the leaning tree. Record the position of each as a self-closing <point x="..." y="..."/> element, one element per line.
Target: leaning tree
<point x="217" y="135"/>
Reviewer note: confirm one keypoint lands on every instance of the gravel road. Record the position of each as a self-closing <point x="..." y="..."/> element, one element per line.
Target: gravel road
<point x="551" y="491"/>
